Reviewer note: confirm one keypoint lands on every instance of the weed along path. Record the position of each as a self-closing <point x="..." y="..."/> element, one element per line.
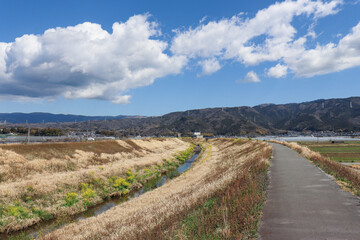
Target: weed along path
<point x="305" y="203"/>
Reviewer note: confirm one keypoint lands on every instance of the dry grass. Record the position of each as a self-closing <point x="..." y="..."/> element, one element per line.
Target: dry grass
<point x="137" y="218"/>
<point x="21" y="161"/>
<point x="61" y="150"/>
<point x="355" y="166"/>
<point x="43" y="183"/>
<point x="339" y="171"/>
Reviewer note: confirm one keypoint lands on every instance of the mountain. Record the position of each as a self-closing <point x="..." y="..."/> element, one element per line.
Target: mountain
<point x="39" y="117"/>
<point x="319" y="115"/>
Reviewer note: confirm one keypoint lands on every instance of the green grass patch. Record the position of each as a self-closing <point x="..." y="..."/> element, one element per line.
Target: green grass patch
<point x="340" y="152"/>
<point x="346" y="159"/>
<point x="339" y="149"/>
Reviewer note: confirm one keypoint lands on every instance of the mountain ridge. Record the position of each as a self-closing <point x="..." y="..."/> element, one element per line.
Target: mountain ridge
<point x="319" y="115"/>
<point x="336" y="114"/>
<point x="39" y="117"/>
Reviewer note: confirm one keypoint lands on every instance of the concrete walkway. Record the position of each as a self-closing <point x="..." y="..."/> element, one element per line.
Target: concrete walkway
<point x="304" y="203"/>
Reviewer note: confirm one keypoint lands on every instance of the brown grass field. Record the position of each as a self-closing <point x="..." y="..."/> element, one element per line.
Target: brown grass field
<point x="222" y="194"/>
<point x="42" y="181"/>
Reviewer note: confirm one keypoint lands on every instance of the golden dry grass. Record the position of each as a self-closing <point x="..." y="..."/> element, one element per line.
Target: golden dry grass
<point x="130" y="220"/>
<point x="355" y="166"/>
<point x="21" y="161"/>
<point x="45" y="181"/>
<point x="60" y="150"/>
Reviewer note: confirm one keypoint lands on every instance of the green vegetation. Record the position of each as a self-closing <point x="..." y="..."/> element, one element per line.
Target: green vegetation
<point x="17" y="210"/>
<point x="340" y="152"/>
<point x="33" y="131"/>
<point x="70" y="199"/>
<point x="121" y="184"/>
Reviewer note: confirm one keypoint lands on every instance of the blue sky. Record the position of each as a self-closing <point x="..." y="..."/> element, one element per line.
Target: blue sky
<point x="154" y="57"/>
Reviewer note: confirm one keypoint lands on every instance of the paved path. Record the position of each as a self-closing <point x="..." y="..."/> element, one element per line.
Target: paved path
<point x="304" y="203"/>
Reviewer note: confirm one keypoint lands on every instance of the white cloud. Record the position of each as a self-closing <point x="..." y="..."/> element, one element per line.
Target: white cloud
<point x="328" y="58"/>
<point x="278" y="71"/>
<point x="237" y="38"/>
<point x="85" y="61"/>
<point x="230" y="38"/>
<point x="203" y="19"/>
<point x="209" y="66"/>
<point x="251" y="77"/>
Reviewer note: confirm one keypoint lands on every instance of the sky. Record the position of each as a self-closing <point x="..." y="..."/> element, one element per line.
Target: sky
<point x="150" y="58"/>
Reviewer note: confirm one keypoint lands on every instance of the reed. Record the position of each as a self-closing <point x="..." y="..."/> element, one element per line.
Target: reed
<point x="229" y="165"/>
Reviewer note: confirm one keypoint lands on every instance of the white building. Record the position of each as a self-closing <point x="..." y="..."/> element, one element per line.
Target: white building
<point x="198" y="135"/>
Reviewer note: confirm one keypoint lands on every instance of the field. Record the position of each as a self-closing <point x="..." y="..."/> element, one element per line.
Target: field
<point x="340" y="152"/>
<point x="219" y="197"/>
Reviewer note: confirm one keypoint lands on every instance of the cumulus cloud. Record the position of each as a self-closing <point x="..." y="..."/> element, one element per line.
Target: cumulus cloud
<point x="209" y="66"/>
<point x="278" y="71"/>
<point x="250" y="77"/>
<point x="85" y="61"/>
<point x="328" y="58"/>
<point x="238" y="39"/>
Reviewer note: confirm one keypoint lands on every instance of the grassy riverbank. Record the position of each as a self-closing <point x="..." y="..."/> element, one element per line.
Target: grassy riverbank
<point x="229" y="175"/>
<point x="30" y="196"/>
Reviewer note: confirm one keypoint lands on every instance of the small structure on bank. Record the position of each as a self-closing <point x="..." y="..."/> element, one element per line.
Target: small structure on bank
<point x="198" y="135"/>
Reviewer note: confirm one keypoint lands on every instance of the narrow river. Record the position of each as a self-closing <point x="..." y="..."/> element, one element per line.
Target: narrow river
<point x="51" y="225"/>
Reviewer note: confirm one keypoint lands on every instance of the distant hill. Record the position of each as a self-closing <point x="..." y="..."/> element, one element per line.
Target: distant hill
<point x="39" y="117"/>
<point x="324" y="114"/>
<point x="319" y="115"/>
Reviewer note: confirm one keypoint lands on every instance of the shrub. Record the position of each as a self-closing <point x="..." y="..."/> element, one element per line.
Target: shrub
<point x="121" y="184"/>
<point x="130" y="176"/>
<point x="88" y="193"/>
<point x="17" y="210"/>
<point x="71" y="198"/>
<point x="43" y="214"/>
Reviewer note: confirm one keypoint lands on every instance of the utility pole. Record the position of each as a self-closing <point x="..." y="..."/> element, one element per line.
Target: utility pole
<point x="28" y="136"/>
